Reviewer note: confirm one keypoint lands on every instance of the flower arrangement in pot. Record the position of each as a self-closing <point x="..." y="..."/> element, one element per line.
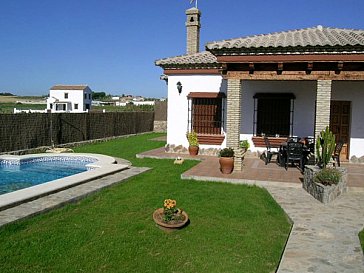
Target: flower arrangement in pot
<point x="193" y="143"/>
<point x="170" y="216"/>
<point x="226" y="160"/>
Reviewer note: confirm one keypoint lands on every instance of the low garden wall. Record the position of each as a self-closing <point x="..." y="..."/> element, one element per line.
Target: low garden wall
<point x="160" y="117"/>
<point x="27" y="131"/>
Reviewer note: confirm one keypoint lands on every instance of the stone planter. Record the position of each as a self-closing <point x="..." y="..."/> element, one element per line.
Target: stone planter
<point x="158" y="219"/>
<point x="324" y="194"/>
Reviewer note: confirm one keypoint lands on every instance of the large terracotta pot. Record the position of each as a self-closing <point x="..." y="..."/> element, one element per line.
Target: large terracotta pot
<point x="193" y="150"/>
<point x="226" y="164"/>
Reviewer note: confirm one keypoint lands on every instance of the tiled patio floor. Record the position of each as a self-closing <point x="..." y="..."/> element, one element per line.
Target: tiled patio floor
<point x="254" y="170"/>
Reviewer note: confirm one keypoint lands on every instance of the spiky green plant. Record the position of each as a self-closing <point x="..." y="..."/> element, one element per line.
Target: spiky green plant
<point x="325" y="146"/>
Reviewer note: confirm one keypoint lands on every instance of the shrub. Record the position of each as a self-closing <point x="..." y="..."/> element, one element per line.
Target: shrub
<point x="328" y="176"/>
<point x="192" y="138"/>
<point x="244" y="144"/>
<point x="226" y="152"/>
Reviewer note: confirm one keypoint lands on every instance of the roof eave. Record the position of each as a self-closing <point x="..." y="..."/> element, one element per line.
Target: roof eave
<point x="320" y="50"/>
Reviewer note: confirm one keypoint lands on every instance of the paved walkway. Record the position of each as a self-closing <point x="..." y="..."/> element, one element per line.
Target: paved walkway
<point x="324" y="238"/>
<point x="63" y="197"/>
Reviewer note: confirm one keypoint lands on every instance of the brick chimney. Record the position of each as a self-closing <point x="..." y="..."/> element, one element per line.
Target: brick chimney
<point x="193" y="30"/>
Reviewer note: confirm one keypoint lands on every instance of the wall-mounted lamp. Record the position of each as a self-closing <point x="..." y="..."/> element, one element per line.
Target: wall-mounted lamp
<point x="179" y="87"/>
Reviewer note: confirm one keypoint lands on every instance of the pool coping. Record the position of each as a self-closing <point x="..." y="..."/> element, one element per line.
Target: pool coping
<point x="104" y="165"/>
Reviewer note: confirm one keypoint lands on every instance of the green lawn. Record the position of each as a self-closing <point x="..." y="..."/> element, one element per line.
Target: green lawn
<point x="8" y="108"/>
<point x="361" y="237"/>
<point x="233" y="228"/>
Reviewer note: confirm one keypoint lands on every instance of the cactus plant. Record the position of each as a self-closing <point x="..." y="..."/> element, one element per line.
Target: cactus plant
<point x="325" y="146"/>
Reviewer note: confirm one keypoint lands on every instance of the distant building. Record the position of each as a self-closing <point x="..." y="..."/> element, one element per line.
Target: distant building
<point x="69" y="98"/>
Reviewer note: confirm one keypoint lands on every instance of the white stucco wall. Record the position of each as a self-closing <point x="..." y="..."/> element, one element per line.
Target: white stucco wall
<point x="178" y="103"/>
<point x="304" y="106"/>
<point x="353" y="91"/>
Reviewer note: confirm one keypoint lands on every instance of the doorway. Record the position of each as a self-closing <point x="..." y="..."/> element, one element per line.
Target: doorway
<point x="340" y="125"/>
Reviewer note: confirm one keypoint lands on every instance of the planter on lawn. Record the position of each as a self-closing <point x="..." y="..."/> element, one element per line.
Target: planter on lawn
<point x="172" y="225"/>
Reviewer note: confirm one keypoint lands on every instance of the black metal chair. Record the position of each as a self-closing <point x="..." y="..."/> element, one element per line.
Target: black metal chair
<point x="337" y="151"/>
<point x="270" y="151"/>
<point x="311" y="144"/>
<point x="294" y="153"/>
<point x="293" y="139"/>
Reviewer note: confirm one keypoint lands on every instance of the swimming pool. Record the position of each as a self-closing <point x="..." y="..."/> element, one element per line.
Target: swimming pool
<point x="27" y="177"/>
<point x="19" y="174"/>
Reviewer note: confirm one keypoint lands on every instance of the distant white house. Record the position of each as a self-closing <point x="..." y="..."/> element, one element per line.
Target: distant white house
<point x="69" y="98"/>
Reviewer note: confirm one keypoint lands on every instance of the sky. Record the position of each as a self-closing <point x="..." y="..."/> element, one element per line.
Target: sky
<point x="112" y="45"/>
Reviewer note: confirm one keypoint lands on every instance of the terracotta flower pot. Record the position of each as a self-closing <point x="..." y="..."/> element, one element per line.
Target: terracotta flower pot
<point x="158" y="219"/>
<point x="193" y="150"/>
<point x="226" y="164"/>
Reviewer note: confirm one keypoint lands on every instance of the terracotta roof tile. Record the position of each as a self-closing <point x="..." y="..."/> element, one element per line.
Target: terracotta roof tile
<point x="320" y="38"/>
<point x="201" y="59"/>
<point x="68" y="87"/>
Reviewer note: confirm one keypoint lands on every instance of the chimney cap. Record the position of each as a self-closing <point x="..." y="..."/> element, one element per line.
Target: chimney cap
<point x="193" y="11"/>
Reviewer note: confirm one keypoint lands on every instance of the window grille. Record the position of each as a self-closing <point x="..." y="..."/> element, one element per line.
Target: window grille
<point x="273" y="114"/>
<point x="205" y="115"/>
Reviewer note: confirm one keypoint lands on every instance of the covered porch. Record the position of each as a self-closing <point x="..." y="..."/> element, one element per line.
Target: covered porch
<point x="313" y="101"/>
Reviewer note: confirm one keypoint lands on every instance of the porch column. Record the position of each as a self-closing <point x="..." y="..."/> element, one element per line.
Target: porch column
<point x="323" y="100"/>
<point x="233" y="119"/>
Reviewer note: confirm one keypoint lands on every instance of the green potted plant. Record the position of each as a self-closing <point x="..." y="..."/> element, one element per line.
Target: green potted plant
<point x="226" y="160"/>
<point x="193" y="143"/>
<point x="327" y="176"/>
<point x="244" y="144"/>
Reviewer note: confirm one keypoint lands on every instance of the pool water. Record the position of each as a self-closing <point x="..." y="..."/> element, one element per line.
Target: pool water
<point x="16" y="177"/>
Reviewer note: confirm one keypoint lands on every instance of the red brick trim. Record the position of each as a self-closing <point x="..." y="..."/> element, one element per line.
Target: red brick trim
<point x="210" y="139"/>
<point x="206" y="95"/>
<point x="192" y="71"/>
<point x="275" y="142"/>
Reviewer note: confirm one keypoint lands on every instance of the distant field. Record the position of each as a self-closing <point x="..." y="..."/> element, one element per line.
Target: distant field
<point x="7" y="99"/>
<point x="111" y="108"/>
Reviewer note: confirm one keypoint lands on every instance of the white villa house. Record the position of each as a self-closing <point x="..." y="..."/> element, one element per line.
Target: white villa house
<point x="291" y="83"/>
<point x="69" y="98"/>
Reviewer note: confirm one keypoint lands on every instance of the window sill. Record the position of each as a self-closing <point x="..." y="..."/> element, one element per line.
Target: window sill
<point x="274" y="141"/>
<point x="210" y="139"/>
